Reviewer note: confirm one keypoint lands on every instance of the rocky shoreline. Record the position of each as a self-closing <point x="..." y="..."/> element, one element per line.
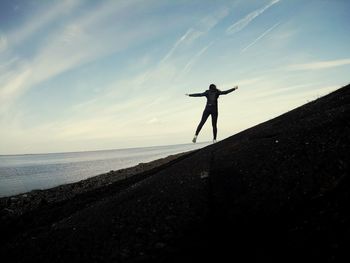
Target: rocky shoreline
<point x="17" y="205"/>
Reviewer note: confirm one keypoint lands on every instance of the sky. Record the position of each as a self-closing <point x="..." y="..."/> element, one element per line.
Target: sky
<point x="78" y="75"/>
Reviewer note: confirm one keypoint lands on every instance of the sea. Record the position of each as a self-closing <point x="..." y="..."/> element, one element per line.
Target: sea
<point x="23" y="173"/>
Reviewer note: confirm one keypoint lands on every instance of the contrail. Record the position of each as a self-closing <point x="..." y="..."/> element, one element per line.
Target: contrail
<point x="190" y="64"/>
<point x="320" y="64"/>
<point x="177" y="43"/>
<point x="260" y="37"/>
<point x="239" y="25"/>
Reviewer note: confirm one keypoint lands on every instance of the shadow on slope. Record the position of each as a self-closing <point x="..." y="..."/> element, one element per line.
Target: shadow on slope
<point x="280" y="189"/>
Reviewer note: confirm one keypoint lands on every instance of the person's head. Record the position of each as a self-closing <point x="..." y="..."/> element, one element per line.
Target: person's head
<point x="212" y="87"/>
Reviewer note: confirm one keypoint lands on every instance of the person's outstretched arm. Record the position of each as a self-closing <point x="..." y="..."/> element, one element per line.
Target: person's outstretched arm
<point x="196" y="94"/>
<point x="224" y="92"/>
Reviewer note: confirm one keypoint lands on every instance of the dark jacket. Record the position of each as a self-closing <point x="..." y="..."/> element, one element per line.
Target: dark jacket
<point x="212" y="95"/>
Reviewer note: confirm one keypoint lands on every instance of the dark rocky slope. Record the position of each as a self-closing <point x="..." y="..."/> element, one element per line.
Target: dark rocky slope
<point x="278" y="191"/>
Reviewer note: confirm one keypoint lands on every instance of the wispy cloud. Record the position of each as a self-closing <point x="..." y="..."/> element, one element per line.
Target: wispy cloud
<point x="241" y="24"/>
<point x="198" y="30"/>
<point x="190" y="34"/>
<point x="320" y="65"/>
<point x="41" y="20"/>
<point x="210" y="21"/>
<point x="68" y="47"/>
<point x="194" y="59"/>
<point x="13" y="87"/>
<point x="153" y="121"/>
<point x="241" y="82"/>
<point x="260" y="37"/>
<point x="5" y="65"/>
<point x="167" y="69"/>
<point x="92" y="75"/>
<point x="3" y="43"/>
<point x="275" y="92"/>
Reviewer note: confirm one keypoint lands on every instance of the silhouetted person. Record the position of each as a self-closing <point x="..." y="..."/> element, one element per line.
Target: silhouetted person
<point x="211" y="107"/>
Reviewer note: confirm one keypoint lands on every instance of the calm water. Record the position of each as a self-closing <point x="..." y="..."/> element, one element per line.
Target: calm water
<point x="23" y="173"/>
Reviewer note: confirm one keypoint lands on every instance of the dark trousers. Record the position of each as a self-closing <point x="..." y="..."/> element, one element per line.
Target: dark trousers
<point x="209" y="110"/>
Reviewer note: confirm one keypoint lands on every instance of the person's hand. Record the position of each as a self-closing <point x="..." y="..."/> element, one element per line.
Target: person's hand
<point x="187" y="94"/>
<point x="236" y="87"/>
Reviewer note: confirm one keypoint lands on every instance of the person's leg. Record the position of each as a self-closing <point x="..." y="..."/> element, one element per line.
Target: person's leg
<point x="205" y="116"/>
<point x="214" y="120"/>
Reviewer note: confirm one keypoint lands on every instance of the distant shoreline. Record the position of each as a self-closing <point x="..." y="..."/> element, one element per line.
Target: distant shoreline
<point x="101" y="150"/>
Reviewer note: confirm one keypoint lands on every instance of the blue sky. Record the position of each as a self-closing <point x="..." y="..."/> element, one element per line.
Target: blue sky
<point x="81" y="75"/>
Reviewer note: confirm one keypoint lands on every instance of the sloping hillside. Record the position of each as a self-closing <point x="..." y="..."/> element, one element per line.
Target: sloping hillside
<point x="278" y="191"/>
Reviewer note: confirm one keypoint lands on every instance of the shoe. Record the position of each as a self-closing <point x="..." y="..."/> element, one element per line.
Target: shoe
<point x="214" y="141"/>
<point x="194" y="139"/>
